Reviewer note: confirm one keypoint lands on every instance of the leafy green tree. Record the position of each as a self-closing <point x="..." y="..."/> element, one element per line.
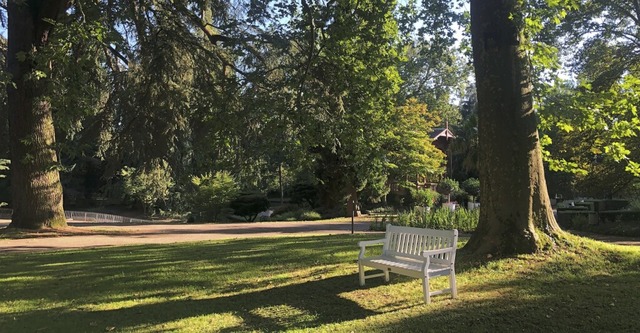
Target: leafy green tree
<point x="435" y="68"/>
<point x="592" y="122"/>
<point x="516" y="215"/>
<point x="304" y="193"/>
<point x="411" y="149"/>
<point x="349" y="82"/>
<point x="150" y="185"/>
<point x="601" y="37"/>
<point x="464" y="149"/>
<point x="596" y="147"/>
<point x="214" y="192"/>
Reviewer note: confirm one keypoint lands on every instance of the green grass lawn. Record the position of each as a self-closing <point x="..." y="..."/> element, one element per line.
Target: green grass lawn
<point x="310" y="284"/>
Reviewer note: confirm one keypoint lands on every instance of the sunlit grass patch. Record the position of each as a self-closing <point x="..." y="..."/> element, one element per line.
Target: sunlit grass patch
<point x="310" y="284"/>
<point x="204" y="323"/>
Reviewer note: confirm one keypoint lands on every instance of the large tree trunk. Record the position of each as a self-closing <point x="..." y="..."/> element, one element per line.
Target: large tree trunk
<point x="515" y="211"/>
<point x="35" y="181"/>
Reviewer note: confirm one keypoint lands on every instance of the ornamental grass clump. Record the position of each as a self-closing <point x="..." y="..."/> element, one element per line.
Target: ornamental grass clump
<point x="442" y="218"/>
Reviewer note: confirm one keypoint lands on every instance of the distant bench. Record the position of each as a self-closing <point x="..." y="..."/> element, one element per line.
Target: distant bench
<point x="414" y="252"/>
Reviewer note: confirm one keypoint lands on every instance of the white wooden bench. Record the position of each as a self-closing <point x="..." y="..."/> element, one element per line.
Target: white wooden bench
<point x="414" y="252"/>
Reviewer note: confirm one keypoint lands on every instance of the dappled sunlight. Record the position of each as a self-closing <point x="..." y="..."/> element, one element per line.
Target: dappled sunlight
<point x="310" y="285"/>
<point x="121" y="302"/>
<point x="285" y="315"/>
<point x="205" y="323"/>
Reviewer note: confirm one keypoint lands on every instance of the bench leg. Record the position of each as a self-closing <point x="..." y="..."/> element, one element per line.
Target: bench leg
<point x="425" y="289"/>
<point x="361" y="273"/>
<point x="452" y="284"/>
<point x="386" y="275"/>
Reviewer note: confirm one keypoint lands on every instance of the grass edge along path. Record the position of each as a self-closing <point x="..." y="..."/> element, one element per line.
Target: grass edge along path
<point x="310" y="284"/>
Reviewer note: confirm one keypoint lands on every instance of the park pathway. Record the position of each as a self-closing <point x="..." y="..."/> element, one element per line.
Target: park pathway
<point x="92" y="234"/>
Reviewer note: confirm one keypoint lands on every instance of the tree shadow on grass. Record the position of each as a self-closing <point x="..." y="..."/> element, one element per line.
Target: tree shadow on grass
<point x="147" y="289"/>
<point x="304" y="305"/>
<point x="560" y="295"/>
<point x="75" y="286"/>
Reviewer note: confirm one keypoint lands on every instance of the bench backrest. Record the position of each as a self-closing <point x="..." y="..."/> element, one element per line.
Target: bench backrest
<point x="410" y="242"/>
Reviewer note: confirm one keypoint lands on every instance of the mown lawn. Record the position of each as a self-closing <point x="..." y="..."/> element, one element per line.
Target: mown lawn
<point x="310" y="284"/>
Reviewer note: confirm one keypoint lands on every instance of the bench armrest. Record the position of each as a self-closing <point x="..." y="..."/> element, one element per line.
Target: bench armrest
<point x="372" y="242"/>
<point x="363" y="245"/>
<point x="429" y="253"/>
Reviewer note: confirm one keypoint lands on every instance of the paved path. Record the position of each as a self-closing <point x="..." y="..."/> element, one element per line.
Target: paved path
<point x="92" y="234"/>
<point x="109" y="234"/>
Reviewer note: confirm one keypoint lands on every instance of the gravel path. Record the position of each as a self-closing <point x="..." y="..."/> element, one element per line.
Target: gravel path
<point x="91" y="234"/>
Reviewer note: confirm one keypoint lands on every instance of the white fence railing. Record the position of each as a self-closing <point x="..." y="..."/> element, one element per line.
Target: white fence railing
<point x="73" y="215"/>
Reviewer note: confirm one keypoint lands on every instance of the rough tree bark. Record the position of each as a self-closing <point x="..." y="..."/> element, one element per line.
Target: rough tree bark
<point x="515" y="215"/>
<point x="36" y="192"/>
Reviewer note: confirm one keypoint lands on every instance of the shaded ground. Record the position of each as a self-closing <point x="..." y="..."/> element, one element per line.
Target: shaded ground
<point x="93" y="234"/>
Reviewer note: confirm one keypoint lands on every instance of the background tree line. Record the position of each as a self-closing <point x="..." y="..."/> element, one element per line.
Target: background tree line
<point x="339" y="95"/>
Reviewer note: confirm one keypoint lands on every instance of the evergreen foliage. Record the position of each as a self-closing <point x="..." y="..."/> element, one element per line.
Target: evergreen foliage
<point x="248" y="205"/>
<point x="213" y="193"/>
<point x="447" y="186"/>
<point x="304" y="193"/>
<point x="471" y="186"/>
<point x="343" y="93"/>
<point x="148" y="186"/>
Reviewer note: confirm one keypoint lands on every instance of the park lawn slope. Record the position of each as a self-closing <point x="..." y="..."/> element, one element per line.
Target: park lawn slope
<point x="310" y="284"/>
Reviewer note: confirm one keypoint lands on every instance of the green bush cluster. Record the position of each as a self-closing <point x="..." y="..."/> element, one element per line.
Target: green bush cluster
<point x="298" y="215"/>
<point x="381" y="210"/>
<point x="447" y="186"/>
<point x="424" y="197"/>
<point x="472" y="187"/>
<point x="150" y="185"/>
<point x="442" y="218"/>
<point x="625" y="225"/>
<point x="249" y="205"/>
<point x="212" y="194"/>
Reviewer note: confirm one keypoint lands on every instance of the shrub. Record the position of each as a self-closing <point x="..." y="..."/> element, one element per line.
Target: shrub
<point x="283" y="209"/>
<point x="213" y="193"/>
<point x="381" y="210"/>
<point x="471" y="186"/>
<point x="248" y="205"/>
<point x="148" y="185"/>
<point x="304" y="193"/>
<point x="286" y="216"/>
<point x="442" y="218"/>
<point x="447" y="186"/>
<point x="460" y="197"/>
<point x="424" y="197"/>
<point x="298" y="215"/>
<point x="579" y="222"/>
<point x="310" y="215"/>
